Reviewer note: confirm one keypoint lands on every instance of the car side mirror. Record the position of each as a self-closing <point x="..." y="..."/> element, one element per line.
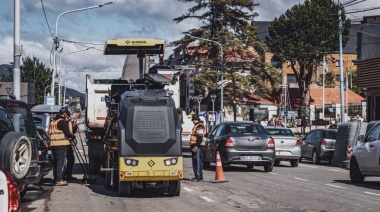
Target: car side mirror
<point x="360" y="138"/>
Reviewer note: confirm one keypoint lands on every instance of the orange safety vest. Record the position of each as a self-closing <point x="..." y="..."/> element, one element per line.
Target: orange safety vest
<point x="198" y="130"/>
<point x="57" y="137"/>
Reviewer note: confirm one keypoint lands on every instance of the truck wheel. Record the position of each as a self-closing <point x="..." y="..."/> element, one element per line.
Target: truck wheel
<point x="125" y="189"/>
<point x="294" y="162"/>
<point x="94" y="165"/>
<point x="268" y="167"/>
<point x="15" y="154"/>
<point x="174" y="188"/>
<point x="355" y="173"/>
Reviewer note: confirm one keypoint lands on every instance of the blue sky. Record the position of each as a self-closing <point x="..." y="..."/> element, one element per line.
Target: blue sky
<point x="122" y="19"/>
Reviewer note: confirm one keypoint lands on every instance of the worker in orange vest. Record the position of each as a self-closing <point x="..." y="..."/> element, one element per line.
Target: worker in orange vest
<point x="60" y="140"/>
<point x="197" y="145"/>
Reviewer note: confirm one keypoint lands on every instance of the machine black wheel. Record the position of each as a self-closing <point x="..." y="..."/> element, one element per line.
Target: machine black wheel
<point x="277" y="162"/>
<point x="315" y="157"/>
<point x="250" y="166"/>
<point x="94" y="165"/>
<point x="125" y="189"/>
<point x="355" y="173"/>
<point x="268" y="167"/>
<point x="15" y="154"/>
<point x="174" y="188"/>
<point x="294" y="162"/>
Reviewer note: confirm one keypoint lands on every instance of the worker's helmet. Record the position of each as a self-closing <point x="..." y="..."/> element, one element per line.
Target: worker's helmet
<point x="64" y="110"/>
<point x="195" y="117"/>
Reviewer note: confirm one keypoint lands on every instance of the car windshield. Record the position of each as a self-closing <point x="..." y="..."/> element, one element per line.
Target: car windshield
<point x="248" y="129"/>
<point x="329" y="134"/>
<point x="282" y="132"/>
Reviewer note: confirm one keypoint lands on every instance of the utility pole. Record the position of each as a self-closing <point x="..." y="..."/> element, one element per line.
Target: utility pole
<point x="16" y="52"/>
<point x="340" y="31"/>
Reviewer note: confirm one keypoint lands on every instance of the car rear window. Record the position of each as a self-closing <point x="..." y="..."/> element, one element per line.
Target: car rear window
<point x="282" y="132"/>
<point x="241" y="128"/>
<point x="329" y="134"/>
<point x="21" y="118"/>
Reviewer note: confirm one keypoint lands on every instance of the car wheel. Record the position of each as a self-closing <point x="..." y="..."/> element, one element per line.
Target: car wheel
<point x="277" y="162"/>
<point x="250" y="166"/>
<point x="125" y="189"/>
<point x="300" y="160"/>
<point x="294" y="163"/>
<point x="174" y="188"/>
<point x="15" y="154"/>
<point x="315" y="158"/>
<point x="268" y="167"/>
<point x="355" y="173"/>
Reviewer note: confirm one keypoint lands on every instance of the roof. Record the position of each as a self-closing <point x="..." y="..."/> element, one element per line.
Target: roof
<point x="332" y="96"/>
<point x="46" y="109"/>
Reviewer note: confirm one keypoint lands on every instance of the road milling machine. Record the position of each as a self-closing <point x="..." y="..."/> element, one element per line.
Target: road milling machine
<point x="143" y="126"/>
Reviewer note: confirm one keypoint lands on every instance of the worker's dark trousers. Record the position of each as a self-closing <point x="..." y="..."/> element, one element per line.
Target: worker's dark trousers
<point x="59" y="155"/>
<point x="68" y="172"/>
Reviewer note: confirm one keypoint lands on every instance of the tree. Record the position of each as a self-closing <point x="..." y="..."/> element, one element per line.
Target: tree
<point x="355" y="87"/>
<point x="303" y="35"/>
<point x="228" y="23"/>
<point x="32" y="70"/>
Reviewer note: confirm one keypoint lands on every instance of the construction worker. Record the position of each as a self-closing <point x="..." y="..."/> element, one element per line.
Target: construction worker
<point x="197" y="147"/>
<point x="68" y="171"/>
<point x="60" y="139"/>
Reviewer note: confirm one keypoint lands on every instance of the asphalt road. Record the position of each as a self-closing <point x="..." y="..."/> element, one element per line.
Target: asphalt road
<point x="307" y="187"/>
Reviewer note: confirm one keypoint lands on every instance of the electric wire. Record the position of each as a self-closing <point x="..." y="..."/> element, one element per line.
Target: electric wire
<point x="43" y="8"/>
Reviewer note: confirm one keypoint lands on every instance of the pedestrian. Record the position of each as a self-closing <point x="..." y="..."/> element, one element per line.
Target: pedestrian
<point x="271" y="122"/>
<point x="60" y="139"/>
<point x="303" y="124"/>
<point x="197" y="147"/>
<point x="68" y="171"/>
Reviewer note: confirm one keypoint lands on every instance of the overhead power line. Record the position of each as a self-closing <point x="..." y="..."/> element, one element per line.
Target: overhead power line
<point x="43" y="8"/>
<point x="363" y="10"/>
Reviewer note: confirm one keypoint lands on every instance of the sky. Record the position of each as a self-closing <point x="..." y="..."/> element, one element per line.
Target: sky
<point x="92" y="27"/>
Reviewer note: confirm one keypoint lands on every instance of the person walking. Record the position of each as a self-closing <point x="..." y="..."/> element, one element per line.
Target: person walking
<point x="197" y="147"/>
<point x="303" y="124"/>
<point x="60" y="139"/>
<point x="68" y="171"/>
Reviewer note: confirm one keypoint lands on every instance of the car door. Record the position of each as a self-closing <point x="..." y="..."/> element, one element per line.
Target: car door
<point x="316" y="142"/>
<point x="367" y="151"/>
<point x="217" y="139"/>
<point x="305" y="149"/>
<point x="210" y="142"/>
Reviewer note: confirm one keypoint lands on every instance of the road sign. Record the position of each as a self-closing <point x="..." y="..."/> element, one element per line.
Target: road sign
<point x="50" y="100"/>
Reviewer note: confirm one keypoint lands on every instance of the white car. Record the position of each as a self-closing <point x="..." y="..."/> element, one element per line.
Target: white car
<point x="365" y="159"/>
<point x="9" y="194"/>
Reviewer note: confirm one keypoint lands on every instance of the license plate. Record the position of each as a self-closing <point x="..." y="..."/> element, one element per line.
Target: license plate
<point x="282" y="153"/>
<point x="255" y="157"/>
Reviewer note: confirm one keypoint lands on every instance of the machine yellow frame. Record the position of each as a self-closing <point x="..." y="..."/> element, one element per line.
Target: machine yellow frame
<point x="139" y="46"/>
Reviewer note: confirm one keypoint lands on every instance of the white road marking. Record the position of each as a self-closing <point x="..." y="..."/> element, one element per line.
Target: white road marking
<point x="314" y="167"/>
<point x="372" y="193"/>
<point x="187" y="189"/>
<point x="336" y="186"/>
<point x="335" y="170"/>
<point x="273" y="173"/>
<point x="207" y="199"/>
<point x="300" y="179"/>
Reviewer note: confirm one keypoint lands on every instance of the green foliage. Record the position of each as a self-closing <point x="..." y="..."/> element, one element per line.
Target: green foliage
<point x="227" y="22"/>
<point x="330" y="80"/>
<point x="303" y="35"/>
<point x="32" y="70"/>
<point x="355" y="87"/>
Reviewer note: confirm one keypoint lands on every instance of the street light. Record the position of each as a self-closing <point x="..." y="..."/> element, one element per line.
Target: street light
<point x="56" y="42"/>
<point x="64" y="93"/>
<point x="59" y="83"/>
<point x="199" y="99"/>
<point x="59" y="70"/>
<point x="213" y="97"/>
<point x="221" y="73"/>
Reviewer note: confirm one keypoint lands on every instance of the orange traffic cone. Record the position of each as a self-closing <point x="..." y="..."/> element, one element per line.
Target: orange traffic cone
<point x="219" y="175"/>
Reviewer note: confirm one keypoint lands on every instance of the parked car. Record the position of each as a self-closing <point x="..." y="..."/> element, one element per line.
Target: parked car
<point x="245" y="143"/>
<point x="45" y="157"/>
<point x="9" y="194"/>
<point x="288" y="146"/>
<point x="319" y="144"/>
<point x="365" y="159"/>
<point x="18" y="144"/>
<point x="43" y="114"/>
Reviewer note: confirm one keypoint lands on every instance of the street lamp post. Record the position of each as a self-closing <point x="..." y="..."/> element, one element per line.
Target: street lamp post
<point x="59" y="70"/>
<point x="59" y="82"/>
<point x="199" y="99"/>
<point x="221" y="73"/>
<point x="56" y="42"/>
<point x="213" y="97"/>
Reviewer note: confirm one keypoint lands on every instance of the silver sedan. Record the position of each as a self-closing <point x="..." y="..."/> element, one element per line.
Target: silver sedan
<point x="288" y="146"/>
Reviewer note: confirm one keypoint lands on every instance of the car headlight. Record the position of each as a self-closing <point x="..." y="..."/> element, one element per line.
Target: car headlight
<point x="171" y="161"/>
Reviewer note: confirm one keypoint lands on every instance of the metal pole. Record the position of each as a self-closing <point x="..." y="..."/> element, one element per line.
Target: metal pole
<point x="323" y="87"/>
<point x="16" y="52"/>
<point x="56" y="41"/>
<point x="342" y="116"/>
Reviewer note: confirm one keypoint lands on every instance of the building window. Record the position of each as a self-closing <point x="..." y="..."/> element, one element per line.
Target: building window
<point x="291" y="79"/>
<point x="337" y="63"/>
